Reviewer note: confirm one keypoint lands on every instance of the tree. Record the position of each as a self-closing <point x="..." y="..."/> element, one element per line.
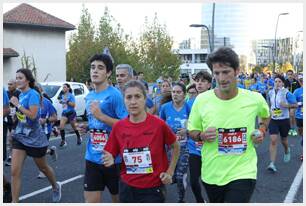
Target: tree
<point x="155" y="51"/>
<point x="81" y="48"/>
<point x="111" y="35"/>
<point x="28" y="62"/>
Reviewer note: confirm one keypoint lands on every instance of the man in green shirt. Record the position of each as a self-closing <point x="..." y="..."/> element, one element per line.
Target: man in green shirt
<point x="224" y="119"/>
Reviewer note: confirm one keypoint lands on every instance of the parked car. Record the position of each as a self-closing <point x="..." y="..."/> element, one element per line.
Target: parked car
<point x="79" y="90"/>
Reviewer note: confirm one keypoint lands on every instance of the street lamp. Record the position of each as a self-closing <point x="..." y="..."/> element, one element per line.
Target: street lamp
<point x="275" y="55"/>
<point x="204" y="26"/>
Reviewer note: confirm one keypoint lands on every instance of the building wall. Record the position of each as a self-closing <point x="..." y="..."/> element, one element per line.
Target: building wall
<point x="46" y="46"/>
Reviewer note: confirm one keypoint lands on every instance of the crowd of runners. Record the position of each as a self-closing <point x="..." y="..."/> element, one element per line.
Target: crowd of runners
<point x="140" y="138"/>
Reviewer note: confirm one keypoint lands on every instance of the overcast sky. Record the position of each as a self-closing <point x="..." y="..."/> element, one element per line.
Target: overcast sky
<point x="177" y="16"/>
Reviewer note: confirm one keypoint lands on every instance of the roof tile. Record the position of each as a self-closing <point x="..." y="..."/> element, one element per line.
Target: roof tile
<point x="25" y="14"/>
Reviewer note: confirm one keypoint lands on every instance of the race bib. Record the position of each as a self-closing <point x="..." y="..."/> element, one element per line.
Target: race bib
<point x="181" y="139"/>
<point x="21" y="117"/>
<point x="98" y="139"/>
<point x="232" y="141"/>
<point x="138" y="160"/>
<point x="276" y="112"/>
<point x="199" y="145"/>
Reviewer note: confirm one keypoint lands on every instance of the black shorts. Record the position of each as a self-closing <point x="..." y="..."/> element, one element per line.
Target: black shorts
<point x="299" y="122"/>
<point x="36" y="152"/>
<point x="98" y="176"/>
<point x="70" y="115"/>
<point x="237" y="191"/>
<point x="129" y="194"/>
<point x="279" y="126"/>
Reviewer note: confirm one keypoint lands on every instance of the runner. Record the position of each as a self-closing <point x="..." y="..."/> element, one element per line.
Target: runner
<point x="140" y="139"/>
<point x="29" y="138"/>
<point x="11" y="118"/>
<point x="224" y="118"/>
<point x="48" y="115"/>
<point x="280" y="100"/>
<point x="203" y="83"/>
<point x="124" y="73"/>
<point x="291" y="84"/>
<point x="298" y="93"/>
<point x="67" y="100"/>
<point x="175" y="113"/>
<point x="7" y="191"/>
<point x="104" y="107"/>
<point x="165" y="88"/>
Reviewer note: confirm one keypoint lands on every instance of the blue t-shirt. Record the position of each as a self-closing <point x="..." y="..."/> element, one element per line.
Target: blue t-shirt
<point x="5" y="98"/>
<point x="298" y="93"/>
<point x="175" y="119"/>
<point x="149" y="102"/>
<point x="193" y="146"/>
<point x="253" y="87"/>
<point x="239" y="85"/>
<point x="29" y="132"/>
<point x="111" y="103"/>
<point x="65" y="99"/>
<point x="46" y="111"/>
<point x="271" y="83"/>
<point x="261" y="87"/>
<point x="156" y="101"/>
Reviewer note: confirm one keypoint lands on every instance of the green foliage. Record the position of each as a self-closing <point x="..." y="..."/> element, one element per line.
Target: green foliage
<point x="151" y="53"/>
<point x="155" y="51"/>
<point x="81" y="48"/>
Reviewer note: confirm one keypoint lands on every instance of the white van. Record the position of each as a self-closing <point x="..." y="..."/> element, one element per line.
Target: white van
<point x="79" y="90"/>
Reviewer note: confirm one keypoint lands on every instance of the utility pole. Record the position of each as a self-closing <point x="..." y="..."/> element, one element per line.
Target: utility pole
<point x="213" y="28"/>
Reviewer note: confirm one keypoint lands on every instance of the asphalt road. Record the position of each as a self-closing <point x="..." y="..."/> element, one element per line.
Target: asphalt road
<point x="69" y="168"/>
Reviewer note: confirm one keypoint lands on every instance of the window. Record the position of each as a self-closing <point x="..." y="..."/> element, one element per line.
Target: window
<point x="78" y="89"/>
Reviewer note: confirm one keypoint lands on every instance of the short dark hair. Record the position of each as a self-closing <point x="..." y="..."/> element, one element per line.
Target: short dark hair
<point x="192" y="86"/>
<point x="183" y="87"/>
<point x="204" y="75"/>
<point x="281" y="77"/>
<point x="290" y="70"/>
<point x="106" y="59"/>
<point x="69" y="87"/>
<point x="223" y="55"/>
<point x="28" y="75"/>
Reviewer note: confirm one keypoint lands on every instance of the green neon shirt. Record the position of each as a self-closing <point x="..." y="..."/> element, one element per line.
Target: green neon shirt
<point x="239" y="112"/>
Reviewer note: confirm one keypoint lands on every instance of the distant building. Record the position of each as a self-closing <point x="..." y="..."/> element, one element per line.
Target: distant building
<point x="231" y="22"/>
<point x="263" y="49"/>
<point x="193" y="60"/>
<point x="35" y="33"/>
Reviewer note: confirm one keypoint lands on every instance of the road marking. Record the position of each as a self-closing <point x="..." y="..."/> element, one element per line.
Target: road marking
<point x="48" y="188"/>
<point x="294" y="186"/>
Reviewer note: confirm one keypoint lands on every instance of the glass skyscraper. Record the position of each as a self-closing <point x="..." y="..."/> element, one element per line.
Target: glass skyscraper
<point x="232" y="22"/>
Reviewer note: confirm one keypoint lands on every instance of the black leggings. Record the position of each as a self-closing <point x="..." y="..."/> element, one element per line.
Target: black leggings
<point x="237" y="191"/>
<point x="195" y="164"/>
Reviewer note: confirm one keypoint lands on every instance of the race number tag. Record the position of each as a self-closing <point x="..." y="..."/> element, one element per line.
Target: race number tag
<point x="276" y="112"/>
<point x="232" y="141"/>
<point x="21" y="117"/>
<point x="98" y="139"/>
<point x="181" y="139"/>
<point x="138" y="160"/>
<point x="199" y="145"/>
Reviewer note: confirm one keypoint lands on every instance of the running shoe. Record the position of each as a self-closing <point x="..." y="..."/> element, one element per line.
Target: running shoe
<point x="79" y="140"/>
<point x="41" y="175"/>
<point x="290" y="132"/>
<point x="53" y="153"/>
<point x="294" y="132"/>
<point x="301" y="158"/>
<point x="287" y="156"/>
<point x="272" y="167"/>
<point x="63" y="144"/>
<point x="57" y="193"/>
